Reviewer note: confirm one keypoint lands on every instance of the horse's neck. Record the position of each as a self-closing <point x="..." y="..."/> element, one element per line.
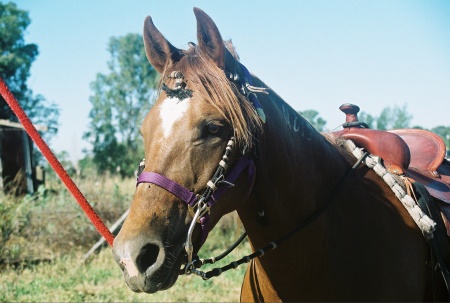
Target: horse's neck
<point x="298" y="166"/>
<point x="297" y="172"/>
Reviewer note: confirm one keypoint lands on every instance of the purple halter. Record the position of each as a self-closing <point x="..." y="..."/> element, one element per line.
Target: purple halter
<point x="191" y="199"/>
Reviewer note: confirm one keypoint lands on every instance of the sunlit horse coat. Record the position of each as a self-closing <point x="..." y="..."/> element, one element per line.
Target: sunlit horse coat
<point x="363" y="247"/>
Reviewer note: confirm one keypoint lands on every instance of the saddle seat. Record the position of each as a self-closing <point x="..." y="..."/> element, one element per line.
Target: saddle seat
<point x="416" y="153"/>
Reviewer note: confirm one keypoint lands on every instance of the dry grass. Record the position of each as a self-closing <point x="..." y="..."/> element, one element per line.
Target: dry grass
<point x="48" y="234"/>
<point x="50" y="223"/>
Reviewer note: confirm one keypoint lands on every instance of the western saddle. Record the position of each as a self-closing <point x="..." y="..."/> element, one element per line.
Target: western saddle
<point x="416" y="153"/>
<point x="419" y="155"/>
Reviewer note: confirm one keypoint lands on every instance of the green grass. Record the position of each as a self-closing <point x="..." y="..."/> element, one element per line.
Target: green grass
<point x="46" y="235"/>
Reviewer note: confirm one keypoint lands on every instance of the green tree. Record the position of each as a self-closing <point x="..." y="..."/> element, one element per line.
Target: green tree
<point x="394" y="118"/>
<point x="16" y="58"/>
<point x="370" y="120"/>
<point x="120" y="100"/>
<point x="313" y="117"/>
<point x="390" y="118"/>
<point x="444" y="133"/>
<point x="398" y="117"/>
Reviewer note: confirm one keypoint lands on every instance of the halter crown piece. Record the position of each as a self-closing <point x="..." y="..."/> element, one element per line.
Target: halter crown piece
<point x="199" y="204"/>
<point x="250" y="91"/>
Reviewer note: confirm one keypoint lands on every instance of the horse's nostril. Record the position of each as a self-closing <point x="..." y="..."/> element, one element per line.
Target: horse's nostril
<point x="147" y="257"/>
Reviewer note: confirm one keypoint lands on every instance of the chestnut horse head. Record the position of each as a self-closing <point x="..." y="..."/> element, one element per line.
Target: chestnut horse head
<point x="208" y="130"/>
<point x="201" y="121"/>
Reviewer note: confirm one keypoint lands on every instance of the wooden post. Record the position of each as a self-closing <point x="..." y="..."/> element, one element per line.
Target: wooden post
<point x="102" y="240"/>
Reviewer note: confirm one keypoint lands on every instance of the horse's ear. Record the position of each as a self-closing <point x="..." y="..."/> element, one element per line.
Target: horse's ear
<point x="209" y="38"/>
<point x="160" y="52"/>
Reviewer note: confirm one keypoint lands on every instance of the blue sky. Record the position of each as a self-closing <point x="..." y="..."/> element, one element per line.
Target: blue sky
<point x="314" y="54"/>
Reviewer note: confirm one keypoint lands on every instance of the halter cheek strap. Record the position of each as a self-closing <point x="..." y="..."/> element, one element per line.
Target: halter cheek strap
<point x="191" y="199"/>
<point x="244" y="163"/>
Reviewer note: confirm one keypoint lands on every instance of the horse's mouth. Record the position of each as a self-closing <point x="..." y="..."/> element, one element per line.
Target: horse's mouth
<point x="159" y="281"/>
<point x="174" y="273"/>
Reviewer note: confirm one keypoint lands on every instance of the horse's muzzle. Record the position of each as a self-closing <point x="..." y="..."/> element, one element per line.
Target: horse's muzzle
<point x="152" y="268"/>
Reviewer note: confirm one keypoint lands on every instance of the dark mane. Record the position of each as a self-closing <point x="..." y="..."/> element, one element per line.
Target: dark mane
<point x="203" y="76"/>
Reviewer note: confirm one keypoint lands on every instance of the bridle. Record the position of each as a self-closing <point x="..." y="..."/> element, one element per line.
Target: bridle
<point x="199" y="204"/>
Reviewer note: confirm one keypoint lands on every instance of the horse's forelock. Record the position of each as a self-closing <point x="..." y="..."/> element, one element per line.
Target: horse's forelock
<point x="209" y="81"/>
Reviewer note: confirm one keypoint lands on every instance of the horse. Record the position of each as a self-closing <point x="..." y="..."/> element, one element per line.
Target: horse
<point x="357" y="243"/>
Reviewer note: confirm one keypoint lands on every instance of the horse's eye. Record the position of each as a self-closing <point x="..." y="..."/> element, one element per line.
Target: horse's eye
<point x="213" y="128"/>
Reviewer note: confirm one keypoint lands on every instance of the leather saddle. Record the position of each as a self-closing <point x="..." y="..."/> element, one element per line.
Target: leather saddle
<point x="420" y="155"/>
<point x="416" y="153"/>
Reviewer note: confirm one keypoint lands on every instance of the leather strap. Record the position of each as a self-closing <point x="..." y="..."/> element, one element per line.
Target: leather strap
<point x="439" y="242"/>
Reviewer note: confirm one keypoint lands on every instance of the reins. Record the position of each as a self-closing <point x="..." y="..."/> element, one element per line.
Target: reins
<point x="199" y="204"/>
<point x="274" y="244"/>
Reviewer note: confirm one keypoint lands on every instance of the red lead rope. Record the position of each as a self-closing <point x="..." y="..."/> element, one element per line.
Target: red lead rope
<point x="33" y="133"/>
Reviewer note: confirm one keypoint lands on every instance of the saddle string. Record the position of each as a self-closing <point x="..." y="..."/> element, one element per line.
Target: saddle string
<point x="409" y="187"/>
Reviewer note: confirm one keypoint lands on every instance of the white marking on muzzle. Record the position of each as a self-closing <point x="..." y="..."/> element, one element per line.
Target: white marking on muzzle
<point x="171" y="110"/>
<point x="128" y="263"/>
<point x="130" y="267"/>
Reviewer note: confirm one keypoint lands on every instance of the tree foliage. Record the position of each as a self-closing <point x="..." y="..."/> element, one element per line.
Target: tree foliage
<point x="16" y="58"/>
<point x="367" y="118"/>
<point x="394" y="118"/>
<point x="398" y="117"/>
<point x="120" y="100"/>
<point x="444" y="133"/>
<point x="313" y="117"/>
<point x="390" y="118"/>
